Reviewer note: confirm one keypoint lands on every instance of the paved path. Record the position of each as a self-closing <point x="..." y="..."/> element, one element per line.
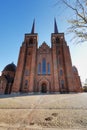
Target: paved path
<point x="43" y="112"/>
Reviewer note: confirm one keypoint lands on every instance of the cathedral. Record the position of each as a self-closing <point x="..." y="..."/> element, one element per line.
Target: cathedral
<point x="42" y="69"/>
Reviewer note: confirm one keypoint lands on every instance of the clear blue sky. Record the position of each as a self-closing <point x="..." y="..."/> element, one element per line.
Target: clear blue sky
<point x="16" y="18"/>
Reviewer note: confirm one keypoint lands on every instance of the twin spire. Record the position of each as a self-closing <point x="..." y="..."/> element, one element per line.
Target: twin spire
<point x="55" y="27"/>
<point x="33" y="27"/>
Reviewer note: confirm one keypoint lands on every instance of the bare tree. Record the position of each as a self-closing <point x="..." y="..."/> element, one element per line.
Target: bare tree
<point x="78" y="23"/>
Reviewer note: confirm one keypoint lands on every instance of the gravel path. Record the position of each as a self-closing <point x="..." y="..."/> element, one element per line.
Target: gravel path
<point x="39" y="112"/>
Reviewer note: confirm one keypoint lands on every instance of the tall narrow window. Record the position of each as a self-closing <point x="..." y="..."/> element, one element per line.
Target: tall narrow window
<point x="48" y="68"/>
<point x="61" y="72"/>
<point x="44" y="66"/>
<point x="57" y="40"/>
<point x="26" y="84"/>
<point x="62" y="84"/>
<point x="31" y="41"/>
<point x="39" y="68"/>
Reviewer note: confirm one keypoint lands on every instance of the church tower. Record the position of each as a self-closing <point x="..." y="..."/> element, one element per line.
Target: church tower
<point x="62" y="66"/>
<point x="25" y="73"/>
<point x="45" y="69"/>
<point x="54" y="57"/>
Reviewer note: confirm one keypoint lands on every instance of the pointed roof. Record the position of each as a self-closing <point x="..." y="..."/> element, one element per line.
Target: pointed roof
<point x="55" y="26"/>
<point x="33" y="27"/>
<point x="44" y="48"/>
<point x="44" y="45"/>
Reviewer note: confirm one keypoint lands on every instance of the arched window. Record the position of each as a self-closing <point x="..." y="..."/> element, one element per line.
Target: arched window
<point x="62" y="84"/>
<point x="48" y="68"/>
<point x="30" y="41"/>
<point x="39" y="68"/>
<point x="57" y="40"/>
<point x="61" y="72"/>
<point x="26" y="84"/>
<point x="44" y="66"/>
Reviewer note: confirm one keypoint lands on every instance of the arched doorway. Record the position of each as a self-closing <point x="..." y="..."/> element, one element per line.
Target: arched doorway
<point x="44" y="88"/>
<point x="43" y="85"/>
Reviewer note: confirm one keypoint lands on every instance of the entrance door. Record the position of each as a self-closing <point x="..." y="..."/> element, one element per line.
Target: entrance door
<point x="43" y="88"/>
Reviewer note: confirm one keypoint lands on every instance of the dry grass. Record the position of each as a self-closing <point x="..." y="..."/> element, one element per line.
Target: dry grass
<point x="39" y="112"/>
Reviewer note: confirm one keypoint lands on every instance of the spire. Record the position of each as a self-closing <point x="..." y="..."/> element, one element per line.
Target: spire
<point x="33" y="27"/>
<point x="55" y="26"/>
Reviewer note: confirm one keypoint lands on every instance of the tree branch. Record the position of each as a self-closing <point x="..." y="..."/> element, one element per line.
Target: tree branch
<point x="84" y="18"/>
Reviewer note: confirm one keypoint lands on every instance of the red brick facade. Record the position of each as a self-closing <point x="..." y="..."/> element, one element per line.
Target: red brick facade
<point x="45" y="69"/>
<point x="60" y="78"/>
<point x="7" y="78"/>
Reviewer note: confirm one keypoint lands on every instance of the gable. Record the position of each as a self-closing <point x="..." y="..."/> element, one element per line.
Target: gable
<point x="44" y="48"/>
